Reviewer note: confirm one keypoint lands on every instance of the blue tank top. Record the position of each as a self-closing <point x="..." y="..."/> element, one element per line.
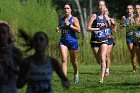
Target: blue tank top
<point x="41" y="76"/>
<point x="129" y="32"/>
<point x="67" y="32"/>
<point x="127" y="22"/>
<point x="100" y="34"/>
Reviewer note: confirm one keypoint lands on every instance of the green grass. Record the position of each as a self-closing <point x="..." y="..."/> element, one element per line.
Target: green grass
<point x="121" y="80"/>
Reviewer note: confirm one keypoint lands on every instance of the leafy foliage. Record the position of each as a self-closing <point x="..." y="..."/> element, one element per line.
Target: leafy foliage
<point x="30" y="15"/>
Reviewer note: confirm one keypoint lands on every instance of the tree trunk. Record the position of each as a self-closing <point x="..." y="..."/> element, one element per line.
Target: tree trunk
<point x="81" y="17"/>
<point x="90" y="7"/>
<point x="85" y="16"/>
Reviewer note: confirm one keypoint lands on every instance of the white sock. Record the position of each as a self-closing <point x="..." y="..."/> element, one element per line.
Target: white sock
<point x="107" y="69"/>
<point x="76" y="74"/>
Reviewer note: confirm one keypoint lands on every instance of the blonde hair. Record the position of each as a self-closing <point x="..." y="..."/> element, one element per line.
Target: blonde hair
<point x="106" y="10"/>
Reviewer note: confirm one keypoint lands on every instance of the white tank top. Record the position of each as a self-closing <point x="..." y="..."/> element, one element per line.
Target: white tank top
<point x="41" y="76"/>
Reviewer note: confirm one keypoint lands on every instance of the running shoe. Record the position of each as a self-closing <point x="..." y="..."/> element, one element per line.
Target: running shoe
<point x="101" y="80"/>
<point x="134" y="72"/>
<point x="76" y="79"/>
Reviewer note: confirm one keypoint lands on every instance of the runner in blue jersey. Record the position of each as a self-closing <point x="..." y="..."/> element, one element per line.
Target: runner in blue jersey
<point x="99" y="41"/>
<point x="128" y="19"/>
<point x="68" y="26"/>
<point x="109" y="31"/>
<point x="10" y="58"/>
<point x="37" y="69"/>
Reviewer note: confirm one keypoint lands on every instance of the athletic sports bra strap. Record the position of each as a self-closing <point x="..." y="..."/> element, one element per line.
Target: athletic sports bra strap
<point x="71" y="17"/>
<point x="97" y="16"/>
<point x="104" y="17"/>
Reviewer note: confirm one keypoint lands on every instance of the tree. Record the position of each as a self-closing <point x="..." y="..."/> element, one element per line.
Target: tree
<point x="81" y="18"/>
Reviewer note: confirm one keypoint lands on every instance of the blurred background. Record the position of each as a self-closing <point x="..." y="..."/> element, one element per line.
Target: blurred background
<point x="44" y="15"/>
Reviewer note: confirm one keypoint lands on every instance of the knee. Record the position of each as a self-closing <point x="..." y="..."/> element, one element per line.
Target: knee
<point x="103" y="59"/>
<point x="64" y="60"/>
<point x="74" y="61"/>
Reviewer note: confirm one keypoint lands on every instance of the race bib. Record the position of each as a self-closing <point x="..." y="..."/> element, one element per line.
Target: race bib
<point x="65" y="31"/>
<point x="108" y="32"/>
<point x="100" y="34"/>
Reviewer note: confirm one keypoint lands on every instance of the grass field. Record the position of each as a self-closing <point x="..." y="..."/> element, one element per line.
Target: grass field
<point x="121" y="80"/>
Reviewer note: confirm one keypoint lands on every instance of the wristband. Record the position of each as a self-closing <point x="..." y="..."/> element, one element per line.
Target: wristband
<point x="69" y="25"/>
